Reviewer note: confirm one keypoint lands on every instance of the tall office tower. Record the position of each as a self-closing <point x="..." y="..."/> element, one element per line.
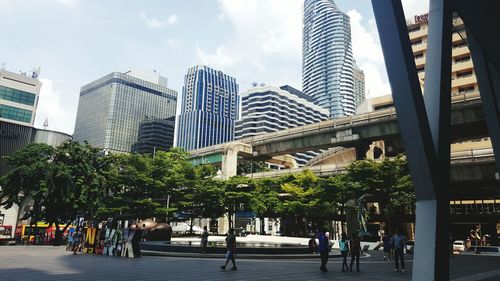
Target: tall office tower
<point x="359" y="85"/>
<point x="209" y="108"/>
<point x="327" y="63"/>
<point x="155" y="134"/>
<point x="112" y="108"/>
<point x="462" y="71"/>
<point x="270" y="109"/>
<point x="18" y="97"/>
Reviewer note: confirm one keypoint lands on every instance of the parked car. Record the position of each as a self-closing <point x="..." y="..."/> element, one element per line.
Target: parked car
<point x="459" y="245"/>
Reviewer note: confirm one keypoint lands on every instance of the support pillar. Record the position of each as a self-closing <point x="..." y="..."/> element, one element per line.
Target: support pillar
<point x="424" y="127"/>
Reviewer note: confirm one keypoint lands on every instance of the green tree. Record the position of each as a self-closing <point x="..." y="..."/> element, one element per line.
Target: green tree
<point x="265" y="199"/>
<point x="202" y="198"/>
<point x="237" y="196"/>
<point x="303" y="199"/>
<point x="60" y="183"/>
<point x="246" y="167"/>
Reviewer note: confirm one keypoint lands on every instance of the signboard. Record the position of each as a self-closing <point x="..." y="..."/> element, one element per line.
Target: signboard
<point x="245" y="214"/>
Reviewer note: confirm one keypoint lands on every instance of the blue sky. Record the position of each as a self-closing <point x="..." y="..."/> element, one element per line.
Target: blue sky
<point x="78" y="41"/>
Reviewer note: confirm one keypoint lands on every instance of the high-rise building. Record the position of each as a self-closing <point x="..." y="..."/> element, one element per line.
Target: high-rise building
<point x="18" y="97"/>
<point x="112" y="108"/>
<point x="327" y="62"/>
<point x="462" y="70"/>
<point x="359" y="85"/>
<point x="155" y="134"/>
<point x="269" y="109"/>
<point x="209" y="108"/>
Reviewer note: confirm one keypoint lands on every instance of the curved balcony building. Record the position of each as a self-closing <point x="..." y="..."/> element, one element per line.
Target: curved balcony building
<point x="327" y="70"/>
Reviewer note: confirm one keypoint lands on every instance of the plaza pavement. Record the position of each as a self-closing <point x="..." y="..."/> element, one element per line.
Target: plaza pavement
<point x="32" y="263"/>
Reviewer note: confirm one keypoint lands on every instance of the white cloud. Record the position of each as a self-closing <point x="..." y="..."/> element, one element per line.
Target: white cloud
<point x="220" y="58"/>
<point x="368" y="54"/>
<point x="153" y="22"/>
<point x="415" y="7"/>
<point x="267" y="36"/>
<point x="172" y="19"/>
<point x="171" y="42"/>
<point x="60" y="111"/>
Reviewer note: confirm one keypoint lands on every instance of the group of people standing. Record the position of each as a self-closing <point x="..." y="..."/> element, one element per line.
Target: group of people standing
<point x="394" y="246"/>
<point x="345" y="246"/>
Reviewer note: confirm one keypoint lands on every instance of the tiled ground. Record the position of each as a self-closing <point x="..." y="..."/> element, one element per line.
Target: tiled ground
<point x="50" y="263"/>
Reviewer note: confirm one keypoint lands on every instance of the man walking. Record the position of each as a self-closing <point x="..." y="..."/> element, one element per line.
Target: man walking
<point x="399" y="241"/>
<point x="355" y="249"/>
<point x="323" y="249"/>
<point x="231" y="249"/>
<point x="386" y="240"/>
<point x="204" y="240"/>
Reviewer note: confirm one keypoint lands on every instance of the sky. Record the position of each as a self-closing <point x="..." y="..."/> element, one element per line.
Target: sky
<point x="78" y="41"/>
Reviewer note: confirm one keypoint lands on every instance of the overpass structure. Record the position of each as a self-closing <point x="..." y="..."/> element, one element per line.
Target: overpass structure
<point x="356" y="131"/>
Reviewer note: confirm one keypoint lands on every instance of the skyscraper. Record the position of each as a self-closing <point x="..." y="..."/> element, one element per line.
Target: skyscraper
<point x="270" y="109"/>
<point x="209" y="108"/>
<point x="359" y="85"/>
<point x="112" y="108"/>
<point x="327" y="70"/>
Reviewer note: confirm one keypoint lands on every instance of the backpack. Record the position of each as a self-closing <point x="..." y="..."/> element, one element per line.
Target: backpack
<point x="343" y="245"/>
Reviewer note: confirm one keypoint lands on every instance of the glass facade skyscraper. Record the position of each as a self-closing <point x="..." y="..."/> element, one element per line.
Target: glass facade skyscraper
<point x="155" y="134"/>
<point x="209" y="108"/>
<point x="112" y="108"/>
<point x="327" y="70"/>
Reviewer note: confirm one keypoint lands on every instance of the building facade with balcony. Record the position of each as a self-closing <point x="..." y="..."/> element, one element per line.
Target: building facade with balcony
<point x="327" y="61"/>
<point x="269" y="109"/>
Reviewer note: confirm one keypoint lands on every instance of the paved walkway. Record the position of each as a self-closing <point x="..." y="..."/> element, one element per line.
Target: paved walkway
<point x="49" y="263"/>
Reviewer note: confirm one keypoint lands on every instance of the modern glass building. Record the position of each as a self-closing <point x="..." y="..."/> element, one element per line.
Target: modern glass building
<point x="209" y="108"/>
<point x="112" y="108"/>
<point x="18" y="98"/>
<point x="327" y="70"/>
<point x="155" y="134"/>
<point x="270" y="109"/>
<point x="359" y="85"/>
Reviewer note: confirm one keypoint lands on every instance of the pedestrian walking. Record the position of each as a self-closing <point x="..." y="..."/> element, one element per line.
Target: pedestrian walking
<point x="386" y="240"/>
<point x="399" y="247"/>
<point x="344" y="249"/>
<point x="323" y="249"/>
<point x="355" y="249"/>
<point x="204" y="240"/>
<point x="231" y="249"/>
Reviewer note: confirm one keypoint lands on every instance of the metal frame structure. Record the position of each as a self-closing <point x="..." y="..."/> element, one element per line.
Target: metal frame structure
<point x="424" y="121"/>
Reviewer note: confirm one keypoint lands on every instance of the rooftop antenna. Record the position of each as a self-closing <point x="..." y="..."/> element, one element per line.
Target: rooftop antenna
<point x="36" y="72"/>
<point x="255" y="84"/>
<point x="46" y="124"/>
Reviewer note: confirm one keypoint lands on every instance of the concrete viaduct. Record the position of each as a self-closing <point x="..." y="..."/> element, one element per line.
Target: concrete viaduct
<point x="357" y="131"/>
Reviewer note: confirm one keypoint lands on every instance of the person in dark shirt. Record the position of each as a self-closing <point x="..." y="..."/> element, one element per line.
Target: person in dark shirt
<point x="323" y="249"/>
<point x="355" y="249"/>
<point x="231" y="249"/>
<point x="204" y="240"/>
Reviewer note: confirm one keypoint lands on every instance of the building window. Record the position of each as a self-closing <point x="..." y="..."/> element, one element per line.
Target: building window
<point x="14" y="113"/>
<point x="464" y="74"/>
<point x="17" y="96"/>
<point x="466" y="89"/>
<point x="462" y="59"/>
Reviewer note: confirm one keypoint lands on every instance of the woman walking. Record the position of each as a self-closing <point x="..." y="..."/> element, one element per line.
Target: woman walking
<point x="344" y="249"/>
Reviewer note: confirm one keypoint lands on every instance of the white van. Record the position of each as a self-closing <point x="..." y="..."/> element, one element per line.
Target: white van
<point x="459" y="245"/>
